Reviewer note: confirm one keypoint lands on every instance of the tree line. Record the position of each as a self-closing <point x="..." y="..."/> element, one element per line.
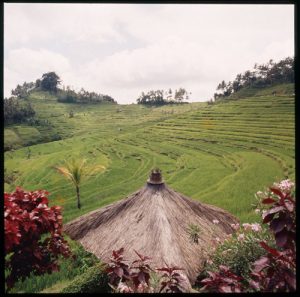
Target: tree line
<point x="67" y="95"/>
<point x="161" y="97"/>
<point x="261" y="76"/>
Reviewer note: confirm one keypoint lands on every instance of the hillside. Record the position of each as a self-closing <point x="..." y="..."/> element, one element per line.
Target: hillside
<point x="220" y="154"/>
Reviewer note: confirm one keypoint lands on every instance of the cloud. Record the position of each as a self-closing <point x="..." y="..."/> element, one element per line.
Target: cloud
<point x="25" y="64"/>
<point x="123" y="49"/>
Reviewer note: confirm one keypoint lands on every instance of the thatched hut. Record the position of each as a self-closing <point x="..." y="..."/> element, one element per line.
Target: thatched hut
<point x="154" y="221"/>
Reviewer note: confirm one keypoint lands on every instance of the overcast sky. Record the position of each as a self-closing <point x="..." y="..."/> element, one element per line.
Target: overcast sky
<point x="124" y="49"/>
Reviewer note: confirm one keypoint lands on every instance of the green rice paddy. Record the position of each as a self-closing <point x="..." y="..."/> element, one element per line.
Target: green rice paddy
<point x="220" y="154"/>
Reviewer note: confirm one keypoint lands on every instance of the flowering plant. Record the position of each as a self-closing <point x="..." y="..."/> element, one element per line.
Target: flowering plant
<point x="264" y="264"/>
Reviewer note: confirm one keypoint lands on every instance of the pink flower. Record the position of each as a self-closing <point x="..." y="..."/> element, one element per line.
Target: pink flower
<point x="218" y="239"/>
<point x="247" y="226"/>
<point x="285" y="185"/>
<point x="235" y="226"/>
<point x="209" y="262"/>
<point x="241" y="237"/>
<point x="257" y="210"/>
<point x="256" y="227"/>
<point x="216" y="221"/>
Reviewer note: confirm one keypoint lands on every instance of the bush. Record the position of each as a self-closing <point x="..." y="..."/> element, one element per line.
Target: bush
<point x="275" y="269"/>
<point x="239" y="251"/>
<point x="33" y="235"/>
<point x="94" y="280"/>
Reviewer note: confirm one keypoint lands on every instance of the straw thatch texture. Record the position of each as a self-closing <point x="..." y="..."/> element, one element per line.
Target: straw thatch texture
<point x="154" y="221"/>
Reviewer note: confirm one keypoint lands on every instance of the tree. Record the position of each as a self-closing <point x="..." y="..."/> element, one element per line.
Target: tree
<point x="17" y="111"/>
<point x="33" y="235"/>
<point x="21" y="92"/>
<point x="50" y="81"/>
<point x="75" y="171"/>
<point x="179" y="95"/>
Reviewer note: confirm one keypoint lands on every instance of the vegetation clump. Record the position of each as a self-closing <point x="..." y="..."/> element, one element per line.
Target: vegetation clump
<point x="161" y="97"/>
<point x="140" y="277"/>
<point x="93" y="280"/>
<point x="33" y="235"/>
<point x="262" y="263"/>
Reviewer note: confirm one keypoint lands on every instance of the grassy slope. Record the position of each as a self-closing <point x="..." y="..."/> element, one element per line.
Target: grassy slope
<point x="220" y="154"/>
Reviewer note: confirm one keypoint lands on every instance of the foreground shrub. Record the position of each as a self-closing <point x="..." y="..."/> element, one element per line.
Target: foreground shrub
<point x="239" y="250"/>
<point x="275" y="270"/>
<point x="33" y="235"/>
<point x="93" y="280"/>
<point x="69" y="268"/>
<point x="139" y="277"/>
<point x="223" y="281"/>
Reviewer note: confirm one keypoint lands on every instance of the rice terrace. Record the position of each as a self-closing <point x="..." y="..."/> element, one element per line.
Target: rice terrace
<point x="209" y="152"/>
<point x="169" y="193"/>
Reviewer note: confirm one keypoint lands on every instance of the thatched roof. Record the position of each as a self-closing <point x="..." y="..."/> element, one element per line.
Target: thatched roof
<point x="154" y="221"/>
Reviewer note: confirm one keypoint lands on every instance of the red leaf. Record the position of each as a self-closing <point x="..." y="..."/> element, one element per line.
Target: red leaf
<point x="225" y="289"/>
<point x="290" y="278"/>
<point x="275" y="209"/>
<point x="118" y="271"/>
<point x="277" y="192"/>
<point x="289" y="205"/>
<point x="260" y="264"/>
<point x="281" y="238"/>
<point x="268" y="217"/>
<point x="272" y="251"/>
<point x="268" y="201"/>
<point x="277" y="225"/>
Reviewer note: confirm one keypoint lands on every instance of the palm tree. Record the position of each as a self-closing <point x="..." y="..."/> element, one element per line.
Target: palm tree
<point x="75" y="171"/>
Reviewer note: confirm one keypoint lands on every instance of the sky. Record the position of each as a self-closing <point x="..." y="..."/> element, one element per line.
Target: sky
<point x="124" y="49"/>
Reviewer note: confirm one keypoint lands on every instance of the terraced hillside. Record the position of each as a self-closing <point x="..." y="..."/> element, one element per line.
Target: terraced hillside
<point x="220" y="154"/>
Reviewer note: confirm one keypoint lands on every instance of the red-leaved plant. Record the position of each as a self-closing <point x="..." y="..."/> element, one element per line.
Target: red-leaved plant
<point x="171" y="280"/>
<point x="128" y="279"/>
<point x="135" y="278"/>
<point x="223" y="281"/>
<point x="276" y="271"/>
<point x="33" y="235"/>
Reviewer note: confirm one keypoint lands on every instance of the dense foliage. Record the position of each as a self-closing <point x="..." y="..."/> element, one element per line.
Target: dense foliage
<point x="160" y="97"/>
<point x="140" y="277"/>
<point x="33" y="235"/>
<point x="275" y="270"/>
<point x="239" y="250"/>
<point x="17" y="111"/>
<point x="69" y="269"/>
<point x="49" y="82"/>
<point x="68" y="95"/>
<point x="263" y="75"/>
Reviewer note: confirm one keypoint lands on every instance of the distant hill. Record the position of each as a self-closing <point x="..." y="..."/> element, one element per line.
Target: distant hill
<point x="261" y="77"/>
<point x="42" y="126"/>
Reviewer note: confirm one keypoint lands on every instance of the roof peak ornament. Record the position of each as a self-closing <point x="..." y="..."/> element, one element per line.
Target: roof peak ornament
<point x="155" y="177"/>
